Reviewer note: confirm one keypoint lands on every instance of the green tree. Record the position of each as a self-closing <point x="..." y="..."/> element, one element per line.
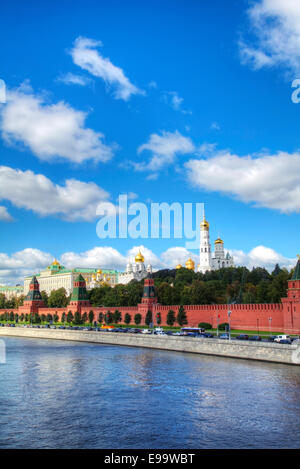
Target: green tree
<point x="45" y="297"/>
<point x="100" y="318"/>
<point x="84" y="318"/>
<point x="77" y="318"/>
<point x="148" y="318"/>
<point x="117" y="317"/>
<point x="181" y="316"/>
<point x="63" y="317"/>
<point x="171" y="317"/>
<point x="137" y="318"/>
<point x="49" y="317"/>
<point x="108" y="317"/>
<point x="58" y="298"/>
<point x="127" y="318"/>
<point x="70" y="317"/>
<point x="91" y="317"/>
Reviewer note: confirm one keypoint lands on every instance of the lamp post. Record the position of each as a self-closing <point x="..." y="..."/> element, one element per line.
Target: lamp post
<point x="229" y="314"/>
<point x="257" y="322"/>
<point x="270" y="324"/>
<point x="218" y="317"/>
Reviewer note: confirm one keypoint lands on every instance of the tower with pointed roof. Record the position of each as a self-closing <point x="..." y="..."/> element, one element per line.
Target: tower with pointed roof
<point x="79" y="296"/>
<point x="33" y="300"/>
<point x="205" y="247"/>
<point x="291" y="304"/>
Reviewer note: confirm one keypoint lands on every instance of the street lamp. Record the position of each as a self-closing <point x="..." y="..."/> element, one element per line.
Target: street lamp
<point x="270" y="323"/>
<point x="257" y="321"/>
<point x="218" y="317"/>
<point x="229" y="314"/>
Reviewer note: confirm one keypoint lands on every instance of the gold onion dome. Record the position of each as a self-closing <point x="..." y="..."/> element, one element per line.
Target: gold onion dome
<point x="190" y="264"/>
<point x="55" y="262"/>
<point x="139" y="257"/>
<point x="219" y="241"/>
<point x="99" y="271"/>
<point x="178" y="266"/>
<point x="204" y="224"/>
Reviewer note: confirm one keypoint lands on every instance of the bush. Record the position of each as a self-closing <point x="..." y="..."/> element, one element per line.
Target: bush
<point x="224" y="326"/>
<point x="205" y="325"/>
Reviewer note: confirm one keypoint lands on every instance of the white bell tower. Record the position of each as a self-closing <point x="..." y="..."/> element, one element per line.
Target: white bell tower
<point x="205" y="247"/>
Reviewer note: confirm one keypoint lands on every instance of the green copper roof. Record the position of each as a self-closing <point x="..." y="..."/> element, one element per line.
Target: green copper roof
<point x="296" y="274"/>
<point x="79" y="293"/>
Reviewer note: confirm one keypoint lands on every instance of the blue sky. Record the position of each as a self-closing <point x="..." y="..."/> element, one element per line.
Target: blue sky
<point x="173" y="101"/>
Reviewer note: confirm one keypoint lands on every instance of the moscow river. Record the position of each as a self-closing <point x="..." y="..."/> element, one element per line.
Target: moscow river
<point x="56" y="394"/>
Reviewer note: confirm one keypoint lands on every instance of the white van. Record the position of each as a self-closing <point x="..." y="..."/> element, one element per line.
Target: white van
<point x="278" y="338"/>
<point x="146" y="331"/>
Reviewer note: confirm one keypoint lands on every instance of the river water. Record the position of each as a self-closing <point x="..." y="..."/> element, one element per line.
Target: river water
<point x="56" y="394"/>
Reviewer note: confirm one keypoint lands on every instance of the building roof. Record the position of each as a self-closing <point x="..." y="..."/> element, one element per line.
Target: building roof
<point x="296" y="274"/>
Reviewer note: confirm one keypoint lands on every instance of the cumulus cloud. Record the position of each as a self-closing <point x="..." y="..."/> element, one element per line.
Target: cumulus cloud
<point x="86" y="56"/>
<point x="4" y="215"/>
<point x="271" y="181"/>
<point x="178" y="255"/>
<point x="50" y="131"/>
<point x="262" y="256"/>
<point x="164" y="149"/>
<point x="75" y="200"/>
<point x="275" y="25"/>
<point x="30" y="261"/>
<point x="72" y="79"/>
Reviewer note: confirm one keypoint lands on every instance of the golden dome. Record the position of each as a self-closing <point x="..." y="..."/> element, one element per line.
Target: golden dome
<point x="139" y="257"/>
<point x="93" y="276"/>
<point x="55" y="262"/>
<point x="219" y="241"/>
<point x="178" y="266"/>
<point x="99" y="271"/>
<point x="204" y="224"/>
<point x="190" y="264"/>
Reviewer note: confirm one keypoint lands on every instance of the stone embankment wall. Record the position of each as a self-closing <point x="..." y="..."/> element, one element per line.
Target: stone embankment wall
<point x="271" y="352"/>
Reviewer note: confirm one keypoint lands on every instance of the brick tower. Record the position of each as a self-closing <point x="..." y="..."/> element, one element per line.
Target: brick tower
<point x="291" y="304"/>
<point x="149" y="296"/>
<point x="79" y="296"/>
<point x="33" y="300"/>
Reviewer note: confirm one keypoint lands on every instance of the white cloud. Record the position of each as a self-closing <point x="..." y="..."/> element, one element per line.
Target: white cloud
<point x="102" y="257"/>
<point x="271" y="181"/>
<point x="31" y="261"/>
<point x="4" y="215"/>
<point x="75" y="200"/>
<point x="85" y="55"/>
<point x="72" y="79"/>
<point x="262" y="256"/>
<point x="164" y="149"/>
<point x="50" y="130"/>
<point x="178" y="255"/>
<point x="175" y="101"/>
<point x="276" y="28"/>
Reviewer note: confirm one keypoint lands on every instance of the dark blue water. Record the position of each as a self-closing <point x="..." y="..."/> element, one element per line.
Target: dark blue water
<point x="56" y="394"/>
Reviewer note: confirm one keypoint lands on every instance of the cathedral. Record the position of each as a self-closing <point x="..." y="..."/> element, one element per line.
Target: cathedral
<point x="208" y="260"/>
<point x="136" y="271"/>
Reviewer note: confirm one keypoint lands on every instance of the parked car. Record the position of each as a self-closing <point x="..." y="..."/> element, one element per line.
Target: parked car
<point x="225" y="336"/>
<point x="256" y="338"/>
<point x="279" y="338"/>
<point x="242" y="337"/>
<point x="146" y="331"/>
<point x="285" y="341"/>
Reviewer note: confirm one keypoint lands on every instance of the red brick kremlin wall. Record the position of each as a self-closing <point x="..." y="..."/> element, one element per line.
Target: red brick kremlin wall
<point x="285" y="316"/>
